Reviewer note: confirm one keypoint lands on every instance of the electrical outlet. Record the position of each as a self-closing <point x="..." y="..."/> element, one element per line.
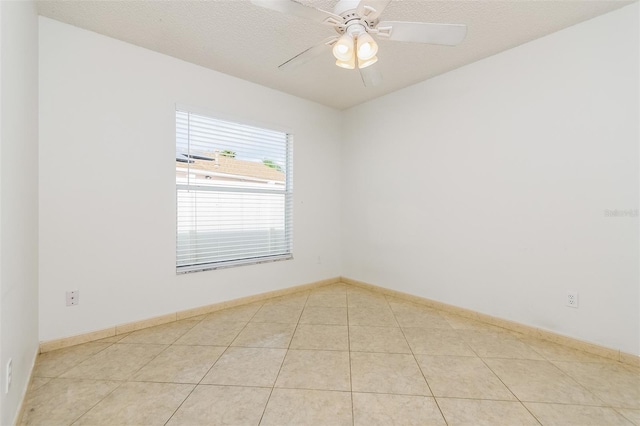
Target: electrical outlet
<point x="572" y="299"/>
<point x="9" y="375"/>
<point x="73" y="297"/>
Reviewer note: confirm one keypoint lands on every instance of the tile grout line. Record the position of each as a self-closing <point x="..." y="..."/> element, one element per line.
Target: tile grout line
<point x="157" y="355"/>
<point x="168" y="345"/>
<point x="283" y="359"/>
<point x="483" y="360"/>
<point x="127" y="380"/>
<point x="616" y="410"/>
<point x="74" y="366"/>
<point x="353" y="409"/>
<point x="576" y="381"/>
<point x="504" y="384"/>
<point x="418" y="364"/>
<point x="212" y="365"/>
<point x="94" y="405"/>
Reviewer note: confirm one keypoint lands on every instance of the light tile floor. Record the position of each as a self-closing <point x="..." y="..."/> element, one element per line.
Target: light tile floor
<point x="337" y="355"/>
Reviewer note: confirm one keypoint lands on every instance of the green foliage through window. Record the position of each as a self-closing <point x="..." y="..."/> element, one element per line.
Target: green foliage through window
<point x="272" y="164"/>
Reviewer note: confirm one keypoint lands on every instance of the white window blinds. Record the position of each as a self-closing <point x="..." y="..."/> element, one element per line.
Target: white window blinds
<point x="234" y="193"/>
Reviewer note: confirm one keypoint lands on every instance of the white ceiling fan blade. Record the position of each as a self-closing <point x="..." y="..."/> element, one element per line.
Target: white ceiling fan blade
<point x="371" y="9"/>
<point x="309" y="54"/>
<point x="422" y="32"/>
<point x="292" y="7"/>
<point x="371" y="76"/>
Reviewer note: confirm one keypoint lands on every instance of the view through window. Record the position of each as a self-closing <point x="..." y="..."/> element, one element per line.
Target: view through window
<point x="234" y="193"/>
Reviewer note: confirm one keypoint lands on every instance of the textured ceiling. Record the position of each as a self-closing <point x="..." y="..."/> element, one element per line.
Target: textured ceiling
<point x="240" y="39"/>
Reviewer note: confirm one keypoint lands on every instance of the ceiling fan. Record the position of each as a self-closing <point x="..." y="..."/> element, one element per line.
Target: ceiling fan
<point x="356" y="21"/>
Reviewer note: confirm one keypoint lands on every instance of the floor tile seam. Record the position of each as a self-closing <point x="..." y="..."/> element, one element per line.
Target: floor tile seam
<point x="256" y="312"/>
<point x="517" y="400"/>
<point x="500" y="340"/>
<point x="447" y="356"/>
<point x="199" y="345"/>
<point x="181" y="404"/>
<point x="236" y="336"/>
<point x="353" y="413"/>
<point x="75" y="365"/>
<point x="275" y="380"/>
<point x="506" y="358"/>
<point x="322" y="323"/>
<point x="433" y="328"/>
<point x="571" y="377"/>
<point x="391" y="393"/>
<point x="624" y="416"/>
<point x="443" y="355"/>
<point x="289" y="387"/>
<point x="369" y="307"/>
<point x="312" y="389"/>
<point x="522" y="401"/>
<point x="98" y="402"/>
<point x="376" y="326"/>
<point x="133" y="374"/>
<point x="273" y="322"/>
<point x="223" y="321"/>
<point x="502" y="381"/>
<point x="606" y="362"/>
<point x="383" y="352"/>
<point x="261" y="347"/>
<point x="325" y="306"/>
<point x="146" y="343"/>
<point x="429" y="328"/>
<point x="135" y="371"/>
<point x="466" y="398"/>
<point x="154" y="343"/>
<point x="219" y="356"/>
<point x="194" y="383"/>
<point x="578" y="405"/>
<point x="488" y="340"/>
<point x="233" y="386"/>
<point x="201" y="379"/>
<point x="424" y="377"/>
<point x="79" y="379"/>
<point x="316" y="350"/>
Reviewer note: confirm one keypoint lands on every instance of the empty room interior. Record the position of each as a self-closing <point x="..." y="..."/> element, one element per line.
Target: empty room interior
<point x="271" y="212"/>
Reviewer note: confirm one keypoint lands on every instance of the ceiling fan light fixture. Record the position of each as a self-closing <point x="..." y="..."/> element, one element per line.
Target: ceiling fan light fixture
<point x="343" y="49"/>
<point x="368" y="62"/>
<point x="349" y="64"/>
<point x="367" y="47"/>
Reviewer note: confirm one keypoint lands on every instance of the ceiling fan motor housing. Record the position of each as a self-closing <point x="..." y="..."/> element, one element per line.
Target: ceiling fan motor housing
<point x="347" y="9"/>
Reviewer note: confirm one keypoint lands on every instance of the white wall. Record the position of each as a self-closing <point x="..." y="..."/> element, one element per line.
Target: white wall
<point x="486" y="187"/>
<point x="107" y="182"/>
<point x="18" y="199"/>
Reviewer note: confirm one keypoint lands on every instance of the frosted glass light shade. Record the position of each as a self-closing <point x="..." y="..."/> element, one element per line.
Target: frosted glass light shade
<point x="368" y="62"/>
<point x="367" y="47"/>
<point x="350" y="64"/>
<point x="343" y="49"/>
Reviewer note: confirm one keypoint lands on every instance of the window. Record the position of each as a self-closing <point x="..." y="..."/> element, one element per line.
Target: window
<point x="234" y="193"/>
